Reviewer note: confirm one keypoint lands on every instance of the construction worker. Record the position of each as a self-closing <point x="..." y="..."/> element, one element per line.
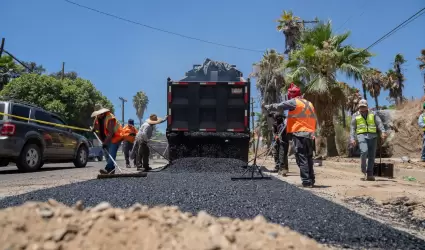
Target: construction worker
<point x="421" y="123"/>
<point x="281" y="144"/>
<point x="109" y="130"/>
<point x="143" y="137"/>
<point x="129" y="136"/>
<point x="364" y="125"/>
<point x="301" y="126"/>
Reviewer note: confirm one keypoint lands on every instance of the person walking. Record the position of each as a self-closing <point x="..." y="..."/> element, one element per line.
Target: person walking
<point x="109" y="130"/>
<point x="364" y="127"/>
<point x="421" y="123"/>
<point x="281" y="144"/>
<point x="141" y="149"/>
<point x="129" y="136"/>
<point x="301" y="126"/>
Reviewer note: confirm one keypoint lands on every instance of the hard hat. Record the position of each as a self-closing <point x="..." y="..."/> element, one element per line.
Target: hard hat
<point x="363" y="103"/>
<point x="293" y="91"/>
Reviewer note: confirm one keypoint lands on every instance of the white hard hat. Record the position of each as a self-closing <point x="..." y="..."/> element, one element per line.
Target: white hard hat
<point x="362" y="103"/>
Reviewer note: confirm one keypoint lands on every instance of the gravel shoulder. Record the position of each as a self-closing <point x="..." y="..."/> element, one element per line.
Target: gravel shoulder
<point x="396" y="202"/>
<point x="198" y="184"/>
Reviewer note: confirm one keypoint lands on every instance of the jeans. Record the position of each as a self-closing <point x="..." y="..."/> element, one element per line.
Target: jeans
<point x="367" y="151"/>
<point x="281" y="154"/>
<point x="112" y="150"/>
<point x="143" y="155"/>
<point x="127" y="147"/>
<point x="423" y="148"/>
<point x="304" y="158"/>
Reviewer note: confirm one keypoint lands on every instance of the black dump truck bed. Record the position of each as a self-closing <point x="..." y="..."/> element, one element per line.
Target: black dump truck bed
<point x="208" y="112"/>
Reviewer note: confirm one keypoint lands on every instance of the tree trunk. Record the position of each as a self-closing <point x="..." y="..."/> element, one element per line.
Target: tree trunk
<point x="344" y="122"/>
<point x="376" y="102"/>
<point x="328" y="131"/>
<point x="140" y="122"/>
<point x="364" y="91"/>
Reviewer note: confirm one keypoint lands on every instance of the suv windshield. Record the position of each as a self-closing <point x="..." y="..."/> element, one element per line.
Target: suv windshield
<point x="2" y="105"/>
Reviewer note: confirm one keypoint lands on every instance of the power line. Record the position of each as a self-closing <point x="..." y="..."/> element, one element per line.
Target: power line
<point x="349" y="18"/>
<point x="400" y="26"/>
<point x="162" y="30"/>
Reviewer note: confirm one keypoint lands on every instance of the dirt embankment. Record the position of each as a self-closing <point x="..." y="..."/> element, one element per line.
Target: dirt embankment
<point x="407" y="139"/>
<point x="54" y="226"/>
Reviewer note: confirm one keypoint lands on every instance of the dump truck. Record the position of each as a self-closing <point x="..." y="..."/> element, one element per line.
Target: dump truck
<point x="208" y="113"/>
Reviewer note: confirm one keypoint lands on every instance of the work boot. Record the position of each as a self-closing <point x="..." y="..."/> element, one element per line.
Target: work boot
<point x="368" y="178"/>
<point x="127" y="166"/>
<point x="147" y="169"/>
<point x="284" y="171"/>
<point x="308" y="185"/>
<point x="103" y="171"/>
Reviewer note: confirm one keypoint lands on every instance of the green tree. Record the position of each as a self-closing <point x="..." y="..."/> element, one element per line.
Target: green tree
<point x="140" y="103"/>
<point x="421" y="60"/>
<point x="292" y="28"/>
<point x="8" y="69"/>
<point x="34" y="68"/>
<point x="314" y="66"/>
<point x="74" y="100"/>
<point x="398" y="68"/>
<point x="270" y="80"/>
<point x="67" y="75"/>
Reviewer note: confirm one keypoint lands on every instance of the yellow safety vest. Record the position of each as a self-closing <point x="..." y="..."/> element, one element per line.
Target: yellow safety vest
<point x="423" y="118"/>
<point x="365" y="126"/>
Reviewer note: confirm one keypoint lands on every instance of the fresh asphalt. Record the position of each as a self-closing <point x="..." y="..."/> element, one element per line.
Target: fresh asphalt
<point x="197" y="184"/>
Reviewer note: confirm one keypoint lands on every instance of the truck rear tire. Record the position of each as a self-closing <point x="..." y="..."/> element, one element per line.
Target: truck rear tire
<point x="30" y="159"/>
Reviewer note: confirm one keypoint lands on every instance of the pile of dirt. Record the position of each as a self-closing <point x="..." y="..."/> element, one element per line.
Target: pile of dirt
<point x="53" y="226"/>
<point x="403" y="209"/>
<point x="407" y="140"/>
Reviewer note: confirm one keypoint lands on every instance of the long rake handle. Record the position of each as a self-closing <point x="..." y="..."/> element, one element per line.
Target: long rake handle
<point x="106" y="152"/>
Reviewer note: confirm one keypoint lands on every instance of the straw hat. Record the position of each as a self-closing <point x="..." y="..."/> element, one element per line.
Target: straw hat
<point x="99" y="112"/>
<point x="153" y="119"/>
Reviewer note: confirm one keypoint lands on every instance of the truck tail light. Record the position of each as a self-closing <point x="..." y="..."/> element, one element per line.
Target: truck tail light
<point x="8" y="129"/>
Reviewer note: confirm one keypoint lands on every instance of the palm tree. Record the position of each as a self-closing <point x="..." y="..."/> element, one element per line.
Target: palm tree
<point x="292" y="28"/>
<point x="353" y="99"/>
<point x="375" y="81"/>
<point x="391" y="84"/>
<point x="398" y="63"/>
<point x="315" y="65"/>
<point x="421" y="59"/>
<point x="270" y="80"/>
<point x="140" y="103"/>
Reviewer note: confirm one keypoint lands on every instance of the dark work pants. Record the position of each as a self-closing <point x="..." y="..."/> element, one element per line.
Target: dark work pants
<point x="304" y="157"/>
<point x="281" y="154"/>
<point x="127" y="147"/>
<point x="143" y="155"/>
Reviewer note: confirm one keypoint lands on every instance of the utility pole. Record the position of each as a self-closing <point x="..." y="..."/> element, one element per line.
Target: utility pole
<point x="2" y="46"/>
<point x="63" y="70"/>
<point x="122" y="108"/>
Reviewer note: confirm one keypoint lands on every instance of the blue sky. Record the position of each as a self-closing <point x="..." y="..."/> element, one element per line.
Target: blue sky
<point x="121" y="58"/>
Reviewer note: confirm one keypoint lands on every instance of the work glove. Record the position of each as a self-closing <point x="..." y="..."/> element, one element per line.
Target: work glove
<point x="105" y="146"/>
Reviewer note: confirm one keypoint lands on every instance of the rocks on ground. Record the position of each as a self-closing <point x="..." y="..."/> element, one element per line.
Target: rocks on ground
<point x="54" y="226"/>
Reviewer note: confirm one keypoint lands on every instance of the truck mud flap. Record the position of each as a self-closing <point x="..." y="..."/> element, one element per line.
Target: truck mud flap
<point x="210" y="145"/>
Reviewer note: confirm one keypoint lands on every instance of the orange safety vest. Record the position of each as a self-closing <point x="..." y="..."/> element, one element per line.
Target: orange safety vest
<point x="117" y="137"/>
<point x="302" y="118"/>
<point x="126" y="131"/>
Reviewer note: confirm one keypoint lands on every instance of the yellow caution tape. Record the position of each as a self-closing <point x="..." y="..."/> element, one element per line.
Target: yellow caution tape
<point x="44" y="122"/>
<point x="53" y="124"/>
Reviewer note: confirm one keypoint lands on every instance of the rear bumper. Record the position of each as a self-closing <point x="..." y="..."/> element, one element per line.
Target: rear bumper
<point x="10" y="147"/>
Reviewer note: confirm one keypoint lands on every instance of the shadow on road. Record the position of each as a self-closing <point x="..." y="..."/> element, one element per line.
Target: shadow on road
<point x="43" y="169"/>
<point x="277" y="201"/>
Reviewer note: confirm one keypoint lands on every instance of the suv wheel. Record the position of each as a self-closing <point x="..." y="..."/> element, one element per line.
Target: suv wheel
<point x="82" y="157"/>
<point x="30" y="158"/>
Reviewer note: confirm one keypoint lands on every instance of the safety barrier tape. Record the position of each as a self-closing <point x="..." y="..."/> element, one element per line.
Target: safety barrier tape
<point x="53" y="124"/>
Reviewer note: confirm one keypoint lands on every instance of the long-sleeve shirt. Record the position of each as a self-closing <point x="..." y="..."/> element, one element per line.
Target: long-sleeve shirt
<point x="145" y="132"/>
<point x="421" y="122"/>
<point x="360" y="137"/>
<point x="290" y="105"/>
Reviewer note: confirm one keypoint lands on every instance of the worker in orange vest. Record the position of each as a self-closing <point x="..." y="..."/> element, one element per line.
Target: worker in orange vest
<point x="129" y="135"/>
<point x="301" y="126"/>
<point x="109" y="130"/>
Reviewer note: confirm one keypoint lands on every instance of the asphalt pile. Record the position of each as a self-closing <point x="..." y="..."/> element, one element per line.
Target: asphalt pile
<point x="53" y="226"/>
<point x="195" y="184"/>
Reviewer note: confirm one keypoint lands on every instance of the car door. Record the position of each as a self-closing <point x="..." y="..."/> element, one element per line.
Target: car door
<point x="69" y="140"/>
<point x="55" y="133"/>
<point x="48" y="134"/>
